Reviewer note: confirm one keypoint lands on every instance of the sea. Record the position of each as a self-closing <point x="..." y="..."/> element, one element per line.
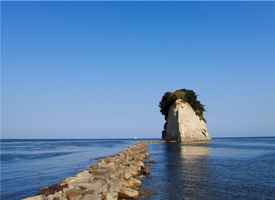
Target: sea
<point x="225" y="168"/>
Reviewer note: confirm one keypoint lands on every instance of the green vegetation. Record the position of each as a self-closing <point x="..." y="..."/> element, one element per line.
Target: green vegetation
<point x="204" y="132"/>
<point x="188" y="96"/>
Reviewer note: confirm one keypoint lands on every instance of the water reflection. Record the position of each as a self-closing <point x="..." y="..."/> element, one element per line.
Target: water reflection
<point x="187" y="166"/>
<point x="220" y="169"/>
<point x="190" y="151"/>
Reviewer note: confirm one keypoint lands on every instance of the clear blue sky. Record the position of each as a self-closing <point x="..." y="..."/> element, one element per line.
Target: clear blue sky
<point x="95" y="69"/>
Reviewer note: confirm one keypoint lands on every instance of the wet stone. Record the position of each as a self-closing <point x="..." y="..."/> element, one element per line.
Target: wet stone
<point x="52" y="189"/>
<point x="145" y="170"/>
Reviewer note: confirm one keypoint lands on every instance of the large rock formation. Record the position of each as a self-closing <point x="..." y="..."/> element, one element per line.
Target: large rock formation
<point x="184" y="116"/>
<point x="183" y="125"/>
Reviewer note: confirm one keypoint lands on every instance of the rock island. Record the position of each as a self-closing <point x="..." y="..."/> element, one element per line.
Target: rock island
<point x="184" y="117"/>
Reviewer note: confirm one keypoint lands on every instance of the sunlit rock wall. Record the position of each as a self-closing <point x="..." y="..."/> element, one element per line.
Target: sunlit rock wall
<point x="183" y="125"/>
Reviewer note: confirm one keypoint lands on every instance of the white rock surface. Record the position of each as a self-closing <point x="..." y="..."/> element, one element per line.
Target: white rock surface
<point x="183" y="125"/>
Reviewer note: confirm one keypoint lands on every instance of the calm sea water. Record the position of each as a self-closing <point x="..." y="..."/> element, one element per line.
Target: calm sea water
<point x="241" y="168"/>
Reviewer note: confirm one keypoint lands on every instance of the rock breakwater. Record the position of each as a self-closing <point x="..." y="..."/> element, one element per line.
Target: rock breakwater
<point x="111" y="178"/>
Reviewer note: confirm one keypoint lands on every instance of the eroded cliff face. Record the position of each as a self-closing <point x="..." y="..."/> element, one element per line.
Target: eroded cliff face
<point x="183" y="125"/>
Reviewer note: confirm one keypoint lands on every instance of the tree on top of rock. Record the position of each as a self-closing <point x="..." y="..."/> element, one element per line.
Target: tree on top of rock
<point x="185" y="95"/>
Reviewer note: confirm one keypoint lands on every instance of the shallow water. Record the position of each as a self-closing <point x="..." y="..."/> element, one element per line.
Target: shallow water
<point x="220" y="169"/>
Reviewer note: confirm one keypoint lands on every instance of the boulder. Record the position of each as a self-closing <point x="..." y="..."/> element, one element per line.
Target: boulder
<point x="127" y="184"/>
<point x="135" y="182"/>
<point x="112" y="195"/>
<point x="58" y="195"/>
<point x="72" y="180"/>
<point x="94" y="188"/>
<point x="52" y="189"/>
<point x="73" y="192"/>
<point x="145" y="170"/>
<point x="79" y="197"/>
<point x="91" y="197"/>
<point x="141" y="176"/>
<point x="127" y="174"/>
<point x="38" y="197"/>
<point x="147" y="155"/>
<point x="100" y="171"/>
<point x="126" y="192"/>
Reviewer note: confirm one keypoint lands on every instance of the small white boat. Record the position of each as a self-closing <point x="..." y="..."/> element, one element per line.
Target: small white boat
<point x="135" y="138"/>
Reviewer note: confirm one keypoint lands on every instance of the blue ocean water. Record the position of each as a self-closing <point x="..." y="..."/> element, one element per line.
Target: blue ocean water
<point x="239" y="168"/>
<point x="233" y="168"/>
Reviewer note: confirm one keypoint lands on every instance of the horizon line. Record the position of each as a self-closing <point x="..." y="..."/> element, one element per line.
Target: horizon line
<point x="123" y="138"/>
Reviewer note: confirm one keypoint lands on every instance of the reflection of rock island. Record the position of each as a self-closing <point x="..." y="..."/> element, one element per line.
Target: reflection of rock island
<point x="184" y="116"/>
<point x="187" y="166"/>
<point x="194" y="151"/>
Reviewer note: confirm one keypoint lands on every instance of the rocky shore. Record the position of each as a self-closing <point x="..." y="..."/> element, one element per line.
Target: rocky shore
<point x="112" y="178"/>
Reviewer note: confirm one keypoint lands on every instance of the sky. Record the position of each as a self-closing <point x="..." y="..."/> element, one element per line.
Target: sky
<point x="84" y="70"/>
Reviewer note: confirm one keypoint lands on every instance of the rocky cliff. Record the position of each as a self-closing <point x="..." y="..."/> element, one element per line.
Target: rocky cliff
<point x="184" y="117"/>
<point x="183" y="125"/>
